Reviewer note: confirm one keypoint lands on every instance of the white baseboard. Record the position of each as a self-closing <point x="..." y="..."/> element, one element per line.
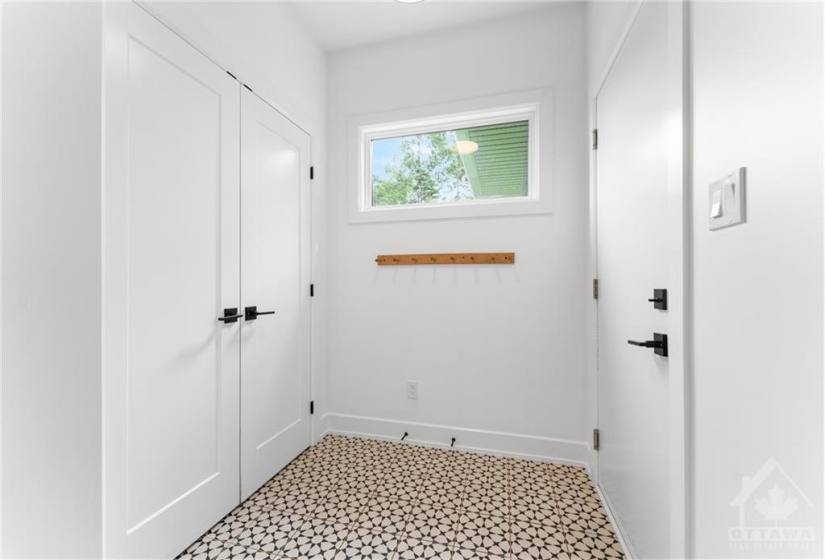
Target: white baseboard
<point x="614" y="520"/>
<point x="478" y="441"/>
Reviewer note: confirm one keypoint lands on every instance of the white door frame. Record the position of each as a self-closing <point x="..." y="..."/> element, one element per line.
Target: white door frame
<point x="679" y="268"/>
<point x="1" y="280"/>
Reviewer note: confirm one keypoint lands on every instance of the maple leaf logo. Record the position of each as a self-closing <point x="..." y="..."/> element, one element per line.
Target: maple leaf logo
<point x="777" y="507"/>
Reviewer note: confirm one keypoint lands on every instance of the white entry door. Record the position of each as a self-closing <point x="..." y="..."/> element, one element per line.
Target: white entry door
<point x="171" y="267"/>
<point x="632" y="192"/>
<point x="275" y="253"/>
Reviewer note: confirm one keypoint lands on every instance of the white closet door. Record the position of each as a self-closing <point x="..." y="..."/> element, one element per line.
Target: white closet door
<point x="275" y="354"/>
<point x="171" y="266"/>
<point x="633" y="260"/>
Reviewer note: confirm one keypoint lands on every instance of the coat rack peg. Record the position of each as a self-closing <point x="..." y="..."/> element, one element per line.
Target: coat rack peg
<point x="446" y="259"/>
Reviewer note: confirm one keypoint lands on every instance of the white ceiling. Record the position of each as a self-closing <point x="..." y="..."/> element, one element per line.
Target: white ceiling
<point x="341" y="24"/>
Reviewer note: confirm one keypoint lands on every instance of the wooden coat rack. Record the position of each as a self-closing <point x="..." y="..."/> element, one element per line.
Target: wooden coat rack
<point x="445" y="259"/>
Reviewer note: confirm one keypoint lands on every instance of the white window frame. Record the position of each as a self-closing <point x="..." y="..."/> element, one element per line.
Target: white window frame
<point x="532" y="106"/>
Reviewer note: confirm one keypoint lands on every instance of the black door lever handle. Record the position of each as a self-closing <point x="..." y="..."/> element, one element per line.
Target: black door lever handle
<point x="659" y="344"/>
<point x="230" y="315"/>
<point x="251" y="313"/>
<point x="646" y="343"/>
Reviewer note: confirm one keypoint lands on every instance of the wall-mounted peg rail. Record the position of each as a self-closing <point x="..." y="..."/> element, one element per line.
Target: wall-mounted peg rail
<point x="446" y="258"/>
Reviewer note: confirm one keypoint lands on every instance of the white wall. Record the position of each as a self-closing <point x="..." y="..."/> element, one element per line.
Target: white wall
<point x="263" y="44"/>
<point x="266" y="47"/>
<point x="758" y="288"/>
<point x="51" y="280"/>
<point x="498" y="349"/>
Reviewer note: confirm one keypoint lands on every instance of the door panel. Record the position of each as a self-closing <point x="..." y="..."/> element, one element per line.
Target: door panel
<point x="171" y="266"/>
<point x="275" y="380"/>
<point x="632" y="262"/>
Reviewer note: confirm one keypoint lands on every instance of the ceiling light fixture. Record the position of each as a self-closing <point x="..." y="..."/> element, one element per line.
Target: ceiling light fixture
<point x="465" y="147"/>
<point x="409" y="1"/>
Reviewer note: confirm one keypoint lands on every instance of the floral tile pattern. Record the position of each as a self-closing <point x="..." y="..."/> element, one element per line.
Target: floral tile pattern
<point x="350" y="498"/>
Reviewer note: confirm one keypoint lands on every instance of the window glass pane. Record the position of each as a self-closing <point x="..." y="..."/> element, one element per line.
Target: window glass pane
<point x="460" y="165"/>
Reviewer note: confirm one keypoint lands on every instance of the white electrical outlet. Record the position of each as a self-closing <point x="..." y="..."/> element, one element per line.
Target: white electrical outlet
<point x="412" y="389"/>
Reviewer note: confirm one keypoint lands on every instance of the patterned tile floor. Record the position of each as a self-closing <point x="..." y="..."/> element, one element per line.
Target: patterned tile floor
<point x="348" y="498"/>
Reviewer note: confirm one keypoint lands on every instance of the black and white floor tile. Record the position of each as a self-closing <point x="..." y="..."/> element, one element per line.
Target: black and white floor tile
<point x="348" y="498"/>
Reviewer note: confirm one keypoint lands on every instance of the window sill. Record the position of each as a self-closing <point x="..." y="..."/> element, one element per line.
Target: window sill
<point x="479" y="209"/>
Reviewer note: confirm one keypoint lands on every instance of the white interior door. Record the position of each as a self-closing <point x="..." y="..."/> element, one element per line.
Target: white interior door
<point x="275" y="244"/>
<point x="171" y="266"/>
<point x="632" y="197"/>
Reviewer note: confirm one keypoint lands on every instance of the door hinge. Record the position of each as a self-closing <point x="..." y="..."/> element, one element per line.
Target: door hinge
<point x="312" y="290"/>
<point x="312" y="172"/>
<point x="312" y="407"/>
<point x="596" y="439"/>
<point x="595" y="138"/>
<point x="595" y="288"/>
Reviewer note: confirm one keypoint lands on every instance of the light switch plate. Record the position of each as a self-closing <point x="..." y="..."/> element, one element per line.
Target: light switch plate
<point x="726" y="201"/>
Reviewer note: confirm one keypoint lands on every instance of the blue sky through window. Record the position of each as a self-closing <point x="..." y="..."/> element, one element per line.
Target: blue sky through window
<point x="382" y="154"/>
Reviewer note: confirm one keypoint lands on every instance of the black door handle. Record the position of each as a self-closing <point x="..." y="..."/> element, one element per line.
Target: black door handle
<point x="230" y="315"/>
<point x="659" y="344"/>
<point x="646" y="343"/>
<point x="251" y="313"/>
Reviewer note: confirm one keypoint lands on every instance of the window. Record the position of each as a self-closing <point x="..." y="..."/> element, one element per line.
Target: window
<point x="469" y="163"/>
<point x="449" y="166"/>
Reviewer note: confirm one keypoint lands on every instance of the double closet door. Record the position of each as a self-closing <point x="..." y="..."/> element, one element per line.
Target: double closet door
<point x="206" y="211"/>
